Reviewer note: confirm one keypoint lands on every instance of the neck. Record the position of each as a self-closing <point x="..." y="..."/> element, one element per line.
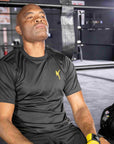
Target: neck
<point x="36" y="49"/>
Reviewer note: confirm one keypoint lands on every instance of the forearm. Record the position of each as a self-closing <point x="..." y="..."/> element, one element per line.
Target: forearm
<point x="85" y="121"/>
<point x="10" y="134"/>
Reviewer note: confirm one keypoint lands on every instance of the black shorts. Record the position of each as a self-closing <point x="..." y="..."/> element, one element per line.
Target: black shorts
<point x="67" y="135"/>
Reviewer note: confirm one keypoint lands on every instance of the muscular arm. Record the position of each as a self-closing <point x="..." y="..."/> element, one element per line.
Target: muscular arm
<point x="82" y="115"/>
<point x="8" y="132"/>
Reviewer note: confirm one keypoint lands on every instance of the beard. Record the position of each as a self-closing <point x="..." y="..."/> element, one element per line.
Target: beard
<point x="41" y="36"/>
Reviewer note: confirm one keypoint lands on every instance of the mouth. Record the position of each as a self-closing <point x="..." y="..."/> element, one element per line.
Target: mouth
<point x="40" y="26"/>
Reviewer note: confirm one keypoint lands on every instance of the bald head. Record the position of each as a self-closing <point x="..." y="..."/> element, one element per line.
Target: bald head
<point x="32" y="24"/>
<point x="23" y="10"/>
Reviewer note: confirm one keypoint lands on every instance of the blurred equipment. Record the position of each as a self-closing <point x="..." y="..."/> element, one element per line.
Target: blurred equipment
<point x="68" y="34"/>
<point x="5" y="48"/>
<point x="107" y="123"/>
<point x="16" y="43"/>
<point x="81" y="22"/>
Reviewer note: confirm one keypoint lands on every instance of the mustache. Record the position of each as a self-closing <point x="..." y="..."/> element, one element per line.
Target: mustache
<point x="38" y="24"/>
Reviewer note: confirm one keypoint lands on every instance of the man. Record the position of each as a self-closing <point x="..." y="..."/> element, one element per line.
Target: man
<point x="33" y="81"/>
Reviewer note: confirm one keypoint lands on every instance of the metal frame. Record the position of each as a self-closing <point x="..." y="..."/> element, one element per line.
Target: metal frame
<point x="17" y="4"/>
<point x="98" y="66"/>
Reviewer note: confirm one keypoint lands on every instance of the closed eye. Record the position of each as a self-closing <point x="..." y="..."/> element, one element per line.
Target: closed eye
<point x="42" y="16"/>
<point x="30" y="17"/>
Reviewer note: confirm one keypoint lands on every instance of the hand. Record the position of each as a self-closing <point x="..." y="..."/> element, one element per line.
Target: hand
<point x="103" y="141"/>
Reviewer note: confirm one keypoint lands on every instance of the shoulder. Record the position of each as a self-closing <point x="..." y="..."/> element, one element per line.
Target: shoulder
<point x="9" y="58"/>
<point x="55" y="54"/>
<point x="59" y="55"/>
<point x="63" y="61"/>
<point x="12" y="57"/>
<point x="8" y="63"/>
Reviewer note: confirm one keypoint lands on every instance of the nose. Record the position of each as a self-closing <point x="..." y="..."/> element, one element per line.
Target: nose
<point x="38" y="20"/>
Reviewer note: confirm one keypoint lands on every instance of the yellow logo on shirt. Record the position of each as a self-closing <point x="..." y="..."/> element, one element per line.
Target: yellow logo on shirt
<point x="57" y="74"/>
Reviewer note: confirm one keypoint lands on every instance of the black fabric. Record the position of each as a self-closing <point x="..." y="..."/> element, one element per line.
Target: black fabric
<point x="107" y="122"/>
<point x="36" y="86"/>
<point x="66" y="135"/>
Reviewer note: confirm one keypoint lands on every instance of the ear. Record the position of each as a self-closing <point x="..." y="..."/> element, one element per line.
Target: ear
<point x="18" y="30"/>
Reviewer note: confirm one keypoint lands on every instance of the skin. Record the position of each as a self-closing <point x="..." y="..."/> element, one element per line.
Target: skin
<point x="82" y="115"/>
<point x="32" y="25"/>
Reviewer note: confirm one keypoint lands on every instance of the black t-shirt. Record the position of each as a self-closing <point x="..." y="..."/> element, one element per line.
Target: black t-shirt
<point x="36" y="86"/>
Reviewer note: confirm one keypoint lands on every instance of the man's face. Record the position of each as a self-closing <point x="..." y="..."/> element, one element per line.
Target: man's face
<point x="33" y="24"/>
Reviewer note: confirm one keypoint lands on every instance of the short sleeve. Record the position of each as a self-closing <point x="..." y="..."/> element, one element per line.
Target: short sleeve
<point x="71" y="81"/>
<point x="7" y="88"/>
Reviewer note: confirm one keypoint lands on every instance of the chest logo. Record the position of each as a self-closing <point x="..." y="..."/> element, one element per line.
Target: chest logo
<point x="57" y="74"/>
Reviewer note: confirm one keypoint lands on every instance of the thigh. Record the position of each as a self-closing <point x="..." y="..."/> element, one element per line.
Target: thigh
<point x="76" y="136"/>
<point x="66" y="135"/>
<point x="47" y="140"/>
<point x="70" y="135"/>
<point x="42" y="140"/>
<point x="38" y="138"/>
<point x="79" y="138"/>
